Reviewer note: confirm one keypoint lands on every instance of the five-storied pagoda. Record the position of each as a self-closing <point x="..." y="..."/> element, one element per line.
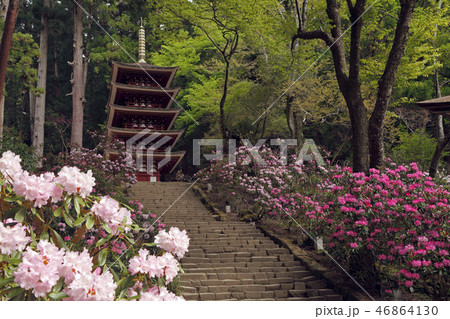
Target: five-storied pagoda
<point x="140" y="114"/>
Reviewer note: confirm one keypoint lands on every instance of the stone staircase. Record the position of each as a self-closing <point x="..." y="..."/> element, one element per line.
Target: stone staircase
<point x="229" y="260"/>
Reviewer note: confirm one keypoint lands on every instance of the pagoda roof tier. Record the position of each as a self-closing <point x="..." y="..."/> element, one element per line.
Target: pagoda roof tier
<point x="163" y="75"/>
<point x="120" y="132"/>
<point x="439" y="106"/>
<point x="160" y="98"/>
<point x="168" y="115"/>
<point x="157" y="157"/>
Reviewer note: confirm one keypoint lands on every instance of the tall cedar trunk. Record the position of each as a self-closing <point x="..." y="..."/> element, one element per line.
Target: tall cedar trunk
<point x="5" y="46"/>
<point x="78" y="78"/>
<point x="3" y="11"/>
<point x="386" y="82"/>
<point x="37" y="132"/>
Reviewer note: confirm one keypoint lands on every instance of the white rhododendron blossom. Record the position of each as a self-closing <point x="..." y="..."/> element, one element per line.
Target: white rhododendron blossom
<point x="161" y="294"/>
<point x="39" y="270"/>
<point x="76" y="182"/>
<point x="174" y="241"/>
<point x="13" y="236"/>
<point x="109" y="211"/>
<point x="162" y="266"/>
<point x="92" y="286"/>
<point x="75" y="264"/>
<point x="10" y="165"/>
<point x="38" y="189"/>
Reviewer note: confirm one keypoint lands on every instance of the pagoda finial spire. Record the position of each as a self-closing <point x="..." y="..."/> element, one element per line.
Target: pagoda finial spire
<point x="142" y="43"/>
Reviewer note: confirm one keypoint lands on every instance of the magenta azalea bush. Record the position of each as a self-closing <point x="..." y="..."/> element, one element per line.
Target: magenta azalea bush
<point x="390" y="226"/>
<point x="60" y="242"/>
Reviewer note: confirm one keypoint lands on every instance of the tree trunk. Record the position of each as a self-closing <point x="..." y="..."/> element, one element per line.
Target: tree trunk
<point x="4" y="9"/>
<point x="78" y="78"/>
<point x="5" y="45"/>
<point x="223" y="128"/>
<point x="37" y="128"/>
<point x="386" y="82"/>
<point x="442" y="140"/>
<point x="360" y="139"/>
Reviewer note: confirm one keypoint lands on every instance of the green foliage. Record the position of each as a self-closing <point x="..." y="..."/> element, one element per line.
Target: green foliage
<point x="416" y="147"/>
<point x="11" y="142"/>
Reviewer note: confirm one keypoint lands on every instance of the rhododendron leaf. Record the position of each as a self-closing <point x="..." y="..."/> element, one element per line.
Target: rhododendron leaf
<point x="181" y="269"/>
<point x="160" y="282"/>
<point x="20" y="215"/>
<point x="57" y="212"/>
<point x="67" y="204"/>
<point x="57" y="295"/>
<point x="102" y="241"/>
<point x="77" y="206"/>
<point x="106" y="227"/>
<point x="4" y="282"/>
<point x="102" y="255"/>
<point x="58" y="240"/>
<point x="150" y="244"/>
<point x="45" y="235"/>
<point x="12" y="199"/>
<point x="14" y="261"/>
<point x="14" y="292"/>
<point x="58" y="285"/>
<point x="67" y="219"/>
<point x="80" y="220"/>
<point x="90" y="222"/>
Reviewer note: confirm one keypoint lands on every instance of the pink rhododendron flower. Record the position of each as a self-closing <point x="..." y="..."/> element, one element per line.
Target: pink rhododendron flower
<point x="161" y="294"/>
<point x="38" y="189"/>
<point x="112" y="214"/>
<point x="165" y="265"/>
<point x="75" y="264"/>
<point x="10" y="165"/>
<point x="174" y="241"/>
<point x="13" y="237"/>
<point x="92" y="286"/>
<point x="76" y="182"/>
<point x="39" y="270"/>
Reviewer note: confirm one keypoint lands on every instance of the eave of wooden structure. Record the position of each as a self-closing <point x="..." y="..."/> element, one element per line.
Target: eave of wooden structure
<point x="119" y="88"/>
<point x="439" y="105"/>
<point x="144" y="68"/>
<point x="172" y="114"/>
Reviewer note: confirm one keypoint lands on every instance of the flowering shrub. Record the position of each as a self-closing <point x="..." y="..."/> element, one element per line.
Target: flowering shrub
<point x="60" y="242"/>
<point x="110" y="173"/>
<point x="392" y="223"/>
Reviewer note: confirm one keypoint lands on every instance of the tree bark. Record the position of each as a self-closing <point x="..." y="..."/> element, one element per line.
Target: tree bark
<point x="386" y="82"/>
<point x="4" y="9"/>
<point x="37" y="128"/>
<point x="223" y="128"/>
<point x="442" y="140"/>
<point x="5" y="46"/>
<point x="78" y="99"/>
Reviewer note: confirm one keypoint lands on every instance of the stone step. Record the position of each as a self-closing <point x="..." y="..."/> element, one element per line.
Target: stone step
<point x="229" y="260"/>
